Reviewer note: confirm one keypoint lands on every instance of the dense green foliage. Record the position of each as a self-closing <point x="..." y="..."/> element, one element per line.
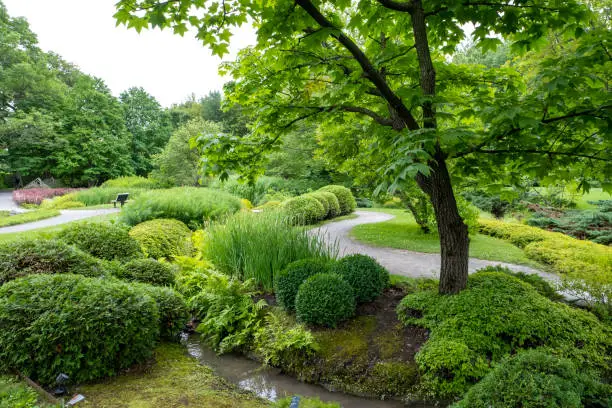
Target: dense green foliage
<point x="535" y="379"/>
<point x="345" y="198"/>
<point x="495" y="316"/>
<point x="260" y="246"/>
<point x="26" y="257"/>
<point x="15" y="394"/>
<point x="191" y="205"/>
<point x="129" y="182"/>
<point x="163" y="238"/>
<point x="59" y="330"/>
<point x="266" y="188"/>
<point x="147" y="271"/>
<point x="366" y="276"/>
<point x="324" y="299"/>
<point x="303" y="210"/>
<point x="102" y="240"/>
<point x="103" y="195"/>
<point x="542" y="286"/>
<point x="172" y="310"/>
<point x="332" y="202"/>
<point x="289" y="280"/>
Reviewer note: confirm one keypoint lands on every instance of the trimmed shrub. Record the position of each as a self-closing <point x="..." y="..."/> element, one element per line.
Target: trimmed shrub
<point x="147" y="271"/>
<point x="191" y="205"/>
<point x="102" y="240"/>
<point x="519" y="234"/>
<point x="322" y="200"/>
<point x="324" y="299"/>
<point x="289" y="280"/>
<point x="26" y="257"/>
<point x="495" y="316"/>
<point x="163" y="238"/>
<point x="536" y="379"/>
<point x="131" y="182"/>
<point x="86" y="328"/>
<point x="332" y="201"/>
<point x="260" y="246"/>
<point x="303" y="210"/>
<point x="366" y="276"/>
<point x="173" y="314"/>
<point x="345" y="198"/>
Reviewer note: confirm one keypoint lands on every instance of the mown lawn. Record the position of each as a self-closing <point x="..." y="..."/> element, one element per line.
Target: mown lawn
<point x="402" y="232"/>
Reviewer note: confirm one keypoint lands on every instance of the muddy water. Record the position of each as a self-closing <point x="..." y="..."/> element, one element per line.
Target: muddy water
<point x="269" y="383"/>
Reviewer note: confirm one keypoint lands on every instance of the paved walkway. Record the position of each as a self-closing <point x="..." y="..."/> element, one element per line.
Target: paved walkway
<point x="399" y="261"/>
<point x="7" y="203"/>
<point x="66" y="216"/>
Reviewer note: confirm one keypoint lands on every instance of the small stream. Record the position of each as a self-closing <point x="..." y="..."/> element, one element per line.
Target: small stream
<point x="269" y="383"/>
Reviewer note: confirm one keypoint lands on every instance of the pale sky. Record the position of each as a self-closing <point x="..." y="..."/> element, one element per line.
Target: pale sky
<point x="83" y="32"/>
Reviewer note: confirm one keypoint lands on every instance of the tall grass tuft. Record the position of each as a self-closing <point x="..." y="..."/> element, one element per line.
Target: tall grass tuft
<point x="104" y="195"/>
<point x="192" y="205"/>
<point x="260" y="245"/>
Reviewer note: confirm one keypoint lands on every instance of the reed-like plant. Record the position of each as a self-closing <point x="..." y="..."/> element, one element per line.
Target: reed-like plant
<point x="260" y="245"/>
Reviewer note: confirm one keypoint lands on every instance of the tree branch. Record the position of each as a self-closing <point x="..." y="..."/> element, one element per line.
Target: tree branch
<point x="397" y="5"/>
<point x="544" y="152"/>
<point x="346" y="108"/>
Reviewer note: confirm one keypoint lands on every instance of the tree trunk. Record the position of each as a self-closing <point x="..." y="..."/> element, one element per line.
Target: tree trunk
<point x="454" y="240"/>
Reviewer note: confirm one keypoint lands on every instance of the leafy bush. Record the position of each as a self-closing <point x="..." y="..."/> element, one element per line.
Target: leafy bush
<point x="172" y="310"/>
<point x="366" y="276"/>
<point x="491" y="203"/>
<point x="332" y="201"/>
<point x="147" y="271"/>
<point x="519" y="234"/>
<point x="29" y="216"/>
<point x="540" y="284"/>
<point x="191" y="205"/>
<point x="259" y="246"/>
<point x="59" y="330"/>
<point x="266" y="188"/>
<point x="280" y="339"/>
<point x="289" y="280"/>
<point x="324" y="299"/>
<point x="322" y="200"/>
<point x="163" y="238"/>
<point x="62" y="202"/>
<point x="594" y="225"/>
<point x="102" y="240"/>
<point x="497" y="315"/>
<point x="26" y="257"/>
<point x="345" y="198"/>
<point x="37" y="195"/>
<point x="536" y="379"/>
<point x="303" y="210"/>
<point x="128" y="182"/>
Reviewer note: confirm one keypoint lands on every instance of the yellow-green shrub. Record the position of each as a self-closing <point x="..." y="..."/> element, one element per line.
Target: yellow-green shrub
<point x="519" y="234"/>
<point x="163" y="238"/>
<point x="62" y="202"/>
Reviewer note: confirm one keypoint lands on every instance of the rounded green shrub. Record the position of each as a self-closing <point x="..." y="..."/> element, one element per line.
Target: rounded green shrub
<point x="303" y="210"/>
<point x="536" y="379"/>
<point x="83" y="327"/>
<point x="332" y="201"/>
<point x="104" y="241"/>
<point x="163" y="238"/>
<point x="366" y="276"/>
<point x="324" y="299"/>
<point x="289" y="280"/>
<point x="173" y="313"/>
<point x="41" y="256"/>
<point x="147" y="271"/>
<point x="321" y="199"/>
<point x="345" y="198"/>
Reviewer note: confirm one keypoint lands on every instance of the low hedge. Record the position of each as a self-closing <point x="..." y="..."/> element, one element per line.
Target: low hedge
<point x="83" y="327"/>
<point x="324" y="299"/>
<point x="366" y="276"/>
<point x="536" y="379"/>
<point x="345" y="198"/>
<point x="102" y="240"/>
<point x="191" y="205"/>
<point x="289" y="280"/>
<point x="26" y="257"/>
<point x="332" y="201"/>
<point x="173" y="314"/>
<point x="518" y="234"/>
<point x="147" y="271"/>
<point x="163" y="238"/>
<point x="495" y="316"/>
<point x="303" y="210"/>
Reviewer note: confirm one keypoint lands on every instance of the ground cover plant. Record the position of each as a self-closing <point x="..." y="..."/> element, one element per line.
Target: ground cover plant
<point x="102" y="240"/>
<point x="14" y="393"/>
<point x="495" y="316"/>
<point x="73" y="310"/>
<point x="29" y="216"/>
<point x="191" y="205"/>
<point x="260" y="246"/>
<point x="163" y="238"/>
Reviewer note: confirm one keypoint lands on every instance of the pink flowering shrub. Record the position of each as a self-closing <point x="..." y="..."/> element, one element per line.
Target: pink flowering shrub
<point x="36" y="195"/>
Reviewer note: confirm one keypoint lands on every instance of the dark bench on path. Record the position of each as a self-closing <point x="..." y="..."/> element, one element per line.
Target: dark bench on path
<point x="121" y="199"/>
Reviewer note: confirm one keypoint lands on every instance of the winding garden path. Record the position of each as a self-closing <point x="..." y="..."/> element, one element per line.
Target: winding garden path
<point x="399" y="261"/>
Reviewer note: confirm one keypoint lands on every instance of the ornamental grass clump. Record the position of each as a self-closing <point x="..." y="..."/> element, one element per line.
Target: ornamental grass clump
<point x="102" y="240"/>
<point x="163" y="238"/>
<point x="324" y="299"/>
<point x="192" y="205"/>
<point x="366" y="276"/>
<point x="260" y="245"/>
<point x="289" y="280"/>
<point x="83" y="327"/>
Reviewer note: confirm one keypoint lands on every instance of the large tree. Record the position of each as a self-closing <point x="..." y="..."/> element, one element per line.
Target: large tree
<point x="388" y="60"/>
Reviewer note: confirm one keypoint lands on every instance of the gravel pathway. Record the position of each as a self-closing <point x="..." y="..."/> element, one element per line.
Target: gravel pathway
<point x="399" y="261"/>
<point x="66" y="216"/>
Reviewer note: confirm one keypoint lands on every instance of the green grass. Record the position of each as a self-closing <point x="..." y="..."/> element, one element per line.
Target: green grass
<point x="16" y="393"/>
<point x="596" y="194"/>
<point x="29" y="216"/>
<point x="402" y="232"/>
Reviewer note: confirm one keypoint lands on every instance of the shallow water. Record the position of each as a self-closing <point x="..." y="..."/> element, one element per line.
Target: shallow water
<point x="269" y="383"/>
